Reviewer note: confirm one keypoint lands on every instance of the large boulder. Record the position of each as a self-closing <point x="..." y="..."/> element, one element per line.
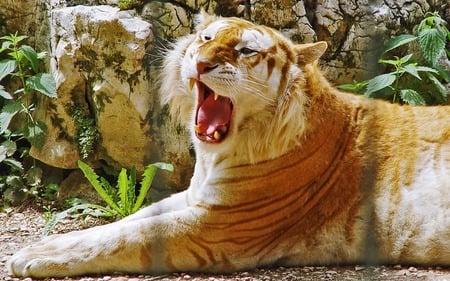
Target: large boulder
<point x="97" y="56"/>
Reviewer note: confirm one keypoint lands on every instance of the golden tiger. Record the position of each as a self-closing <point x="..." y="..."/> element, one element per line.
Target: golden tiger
<point x="289" y="171"/>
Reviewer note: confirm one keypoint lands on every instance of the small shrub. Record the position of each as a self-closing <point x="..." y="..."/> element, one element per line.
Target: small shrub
<point x="124" y="199"/>
<point x="20" y="79"/>
<point x="409" y="82"/>
<point x="87" y="134"/>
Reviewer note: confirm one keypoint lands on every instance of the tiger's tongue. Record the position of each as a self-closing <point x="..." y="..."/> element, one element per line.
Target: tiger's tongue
<point x="214" y="115"/>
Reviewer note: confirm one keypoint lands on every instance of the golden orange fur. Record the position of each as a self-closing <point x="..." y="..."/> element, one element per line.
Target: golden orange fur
<point x="289" y="171"/>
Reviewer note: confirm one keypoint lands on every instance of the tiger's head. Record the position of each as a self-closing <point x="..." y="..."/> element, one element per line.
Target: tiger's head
<point x="238" y="87"/>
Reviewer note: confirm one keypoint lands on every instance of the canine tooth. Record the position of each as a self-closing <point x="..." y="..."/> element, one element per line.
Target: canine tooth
<point x="191" y="84"/>
<point x="197" y="128"/>
<point x="217" y="135"/>
<point x="216" y="96"/>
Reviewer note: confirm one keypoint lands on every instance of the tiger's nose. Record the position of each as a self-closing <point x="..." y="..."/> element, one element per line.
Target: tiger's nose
<point x="205" y="67"/>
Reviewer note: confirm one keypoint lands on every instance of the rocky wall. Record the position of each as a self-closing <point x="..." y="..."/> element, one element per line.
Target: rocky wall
<point x="105" y="62"/>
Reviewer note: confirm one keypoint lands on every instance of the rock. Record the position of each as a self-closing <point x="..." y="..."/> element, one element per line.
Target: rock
<point x="170" y="20"/>
<point x="97" y="58"/>
<point x="77" y="186"/>
<point x="359" y="267"/>
<point x="20" y="16"/>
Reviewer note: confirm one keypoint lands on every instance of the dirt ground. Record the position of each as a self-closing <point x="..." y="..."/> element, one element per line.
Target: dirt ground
<point x="23" y="226"/>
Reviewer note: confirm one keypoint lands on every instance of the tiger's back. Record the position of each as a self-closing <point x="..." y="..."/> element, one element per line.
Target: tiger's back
<point x="409" y="150"/>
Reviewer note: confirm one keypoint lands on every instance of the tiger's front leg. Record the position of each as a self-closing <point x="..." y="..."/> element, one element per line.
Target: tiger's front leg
<point x="147" y="245"/>
<point x="152" y="240"/>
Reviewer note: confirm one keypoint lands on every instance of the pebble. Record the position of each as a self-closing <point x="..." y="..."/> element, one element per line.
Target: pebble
<point x="412" y="269"/>
<point x="307" y="269"/>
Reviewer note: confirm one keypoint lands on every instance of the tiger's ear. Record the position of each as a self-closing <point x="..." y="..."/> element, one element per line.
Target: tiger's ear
<point x="309" y="52"/>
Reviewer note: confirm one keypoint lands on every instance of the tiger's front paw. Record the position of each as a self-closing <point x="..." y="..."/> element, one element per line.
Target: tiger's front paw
<point x="30" y="262"/>
<point x="55" y="256"/>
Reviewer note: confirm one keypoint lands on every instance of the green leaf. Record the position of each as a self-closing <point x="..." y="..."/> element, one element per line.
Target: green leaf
<point x="5" y="149"/>
<point x="34" y="176"/>
<point x="433" y="21"/>
<point x="444" y="73"/>
<point x="85" y="209"/>
<point x="442" y="90"/>
<point x="6" y="68"/>
<point x="355" y="87"/>
<point x="31" y="56"/>
<point x="131" y="190"/>
<point x="8" y="147"/>
<point x="15" y="181"/>
<point x="8" y="111"/>
<point x="391" y="62"/>
<point x="426" y="69"/>
<point x="412" y="70"/>
<point x="163" y="166"/>
<point x="35" y="133"/>
<point x="380" y="82"/>
<point x="42" y="55"/>
<point x="405" y="59"/>
<point x="122" y="184"/>
<point x="108" y="188"/>
<point x="14" y="38"/>
<point x="147" y="179"/>
<point x="43" y="83"/>
<point x="4" y="94"/>
<point x="398" y="41"/>
<point x="412" y="97"/>
<point x="348" y="87"/>
<point x="397" y="61"/>
<point x="14" y="164"/>
<point x="5" y="46"/>
<point x="55" y="219"/>
<point x="92" y="177"/>
<point x="432" y="43"/>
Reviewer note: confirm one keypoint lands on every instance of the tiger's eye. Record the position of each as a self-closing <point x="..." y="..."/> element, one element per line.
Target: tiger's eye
<point x="247" y="51"/>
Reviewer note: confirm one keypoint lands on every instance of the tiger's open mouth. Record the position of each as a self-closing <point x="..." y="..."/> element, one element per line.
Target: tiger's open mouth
<point x="213" y="116"/>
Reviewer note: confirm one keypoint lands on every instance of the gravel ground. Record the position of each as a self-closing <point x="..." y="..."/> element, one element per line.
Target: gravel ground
<point x="22" y="226"/>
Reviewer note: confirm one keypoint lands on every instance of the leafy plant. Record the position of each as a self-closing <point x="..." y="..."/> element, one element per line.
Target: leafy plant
<point x="78" y="208"/>
<point x="23" y="69"/>
<point x="122" y="199"/>
<point x="87" y="134"/>
<point x="21" y="78"/>
<point x="409" y="82"/>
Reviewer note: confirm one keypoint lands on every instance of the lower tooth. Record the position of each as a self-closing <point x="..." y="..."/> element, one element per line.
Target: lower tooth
<point x="217" y="135"/>
<point x="197" y="128"/>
